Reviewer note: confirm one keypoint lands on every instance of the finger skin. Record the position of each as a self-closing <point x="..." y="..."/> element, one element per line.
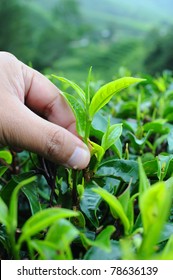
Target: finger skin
<point x="45" y="98"/>
<point x="21" y="127"/>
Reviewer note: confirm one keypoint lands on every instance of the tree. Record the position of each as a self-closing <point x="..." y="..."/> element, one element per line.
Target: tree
<point x="15" y="30"/>
<point x="159" y="56"/>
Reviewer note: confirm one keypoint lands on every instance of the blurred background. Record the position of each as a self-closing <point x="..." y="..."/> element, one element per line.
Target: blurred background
<point x="66" y="37"/>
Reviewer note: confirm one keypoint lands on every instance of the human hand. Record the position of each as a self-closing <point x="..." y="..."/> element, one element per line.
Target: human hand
<point x="34" y="116"/>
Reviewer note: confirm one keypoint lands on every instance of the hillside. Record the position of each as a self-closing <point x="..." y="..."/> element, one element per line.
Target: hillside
<point x="134" y="15"/>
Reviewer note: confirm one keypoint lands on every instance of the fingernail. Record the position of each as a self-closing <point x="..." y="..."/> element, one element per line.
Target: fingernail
<point x="79" y="159"/>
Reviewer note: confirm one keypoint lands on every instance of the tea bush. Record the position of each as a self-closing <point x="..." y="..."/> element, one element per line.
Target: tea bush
<point x="120" y="206"/>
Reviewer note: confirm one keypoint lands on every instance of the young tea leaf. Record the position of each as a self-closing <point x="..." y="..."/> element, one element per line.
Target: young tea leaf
<point x="102" y="241"/>
<point x="115" y="207"/>
<point x="154" y="205"/>
<point x="167" y="253"/>
<point x="42" y="220"/>
<point x="77" y="89"/>
<point x="13" y="217"/>
<point x="106" y="92"/>
<point x="6" y="155"/>
<point x="79" y="112"/>
<point x="111" y="135"/>
<point x="97" y="150"/>
<point x="143" y="180"/>
<point x="61" y="234"/>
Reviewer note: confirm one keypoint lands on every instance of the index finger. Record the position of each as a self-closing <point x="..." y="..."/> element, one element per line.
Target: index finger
<point x="44" y="98"/>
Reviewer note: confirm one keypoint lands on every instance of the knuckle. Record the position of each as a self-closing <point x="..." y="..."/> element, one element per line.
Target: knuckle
<point x="54" y="144"/>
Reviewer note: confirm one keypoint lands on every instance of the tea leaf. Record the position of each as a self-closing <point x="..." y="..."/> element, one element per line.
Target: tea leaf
<point x="106" y="92"/>
<point x="157" y="126"/>
<point x="124" y="198"/>
<point x="139" y="142"/>
<point x="6" y="155"/>
<point x="42" y="219"/>
<point x="32" y="196"/>
<point x="115" y="207"/>
<point x="45" y="249"/>
<point x="89" y="205"/>
<point x="111" y="135"/>
<point x="87" y="91"/>
<point x="163" y="165"/>
<point x="143" y="180"/>
<point x="61" y="234"/>
<point x="77" y="89"/>
<point x="97" y="150"/>
<point x="95" y="253"/>
<point x="8" y="189"/>
<point x="167" y="253"/>
<point x="154" y="205"/>
<point x="127" y="170"/>
<point x="3" y="212"/>
<point x="14" y="203"/>
<point x="166" y="232"/>
<point x="102" y="241"/>
<point x="79" y="112"/>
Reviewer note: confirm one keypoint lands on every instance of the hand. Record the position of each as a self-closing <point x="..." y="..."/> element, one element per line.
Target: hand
<point x="34" y="116"/>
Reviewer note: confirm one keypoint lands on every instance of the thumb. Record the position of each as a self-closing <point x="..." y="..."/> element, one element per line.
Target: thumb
<point x="28" y="131"/>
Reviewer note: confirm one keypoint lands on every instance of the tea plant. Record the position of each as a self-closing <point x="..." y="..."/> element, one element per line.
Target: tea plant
<point x="120" y="206"/>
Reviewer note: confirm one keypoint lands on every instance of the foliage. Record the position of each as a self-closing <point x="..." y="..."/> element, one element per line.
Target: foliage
<point x="66" y="37"/>
<point x="159" y="54"/>
<point x="120" y="206"/>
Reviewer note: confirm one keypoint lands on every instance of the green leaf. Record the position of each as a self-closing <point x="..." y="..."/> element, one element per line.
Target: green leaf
<point x="13" y="207"/>
<point x="126" y="170"/>
<point x="139" y="142"/>
<point x="97" y="150"/>
<point x="78" y="221"/>
<point x="95" y="253"/>
<point x="130" y="211"/>
<point x="3" y="169"/>
<point x="143" y="180"/>
<point x="46" y="250"/>
<point x="124" y="198"/>
<point x="79" y="112"/>
<point x="167" y="253"/>
<point x="77" y="89"/>
<point x="3" y="212"/>
<point x="163" y="165"/>
<point x="115" y="207"/>
<point x="154" y="205"/>
<point x="167" y="231"/>
<point x="99" y="125"/>
<point x="157" y="126"/>
<point x="87" y="91"/>
<point x="111" y="135"/>
<point x="89" y="205"/>
<point x="106" y="92"/>
<point x="102" y="241"/>
<point x="32" y="196"/>
<point x="8" y="189"/>
<point x="151" y="167"/>
<point x="43" y="219"/>
<point x="61" y="234"/>
<point x="6" y="155"/>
